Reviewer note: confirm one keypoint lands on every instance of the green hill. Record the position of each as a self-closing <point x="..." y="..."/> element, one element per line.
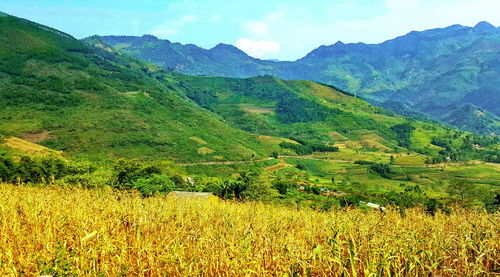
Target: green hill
<point x="448" y="67"/>
<point x="90" y="101"/>
<point x="86" y="99"/>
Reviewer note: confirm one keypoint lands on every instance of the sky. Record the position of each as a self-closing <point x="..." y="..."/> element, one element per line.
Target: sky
<point x="266" y="29"/>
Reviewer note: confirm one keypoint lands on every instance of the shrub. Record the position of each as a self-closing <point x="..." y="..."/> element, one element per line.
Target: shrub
<point x="34" y="170"/>
<point x="350" y="201"/>
<point x="6" y="168"/>
<point x="127" y="171"/>
<point x="381" y="169"/>
<point x="156" y="183"/>
<point x="403" y="134"/>
<point x="283" y="187"/>
<point x="363" y="162"/>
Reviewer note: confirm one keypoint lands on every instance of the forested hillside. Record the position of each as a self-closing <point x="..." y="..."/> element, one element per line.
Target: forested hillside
<point x="435" y="72"/>
<point x="66" y="95"/>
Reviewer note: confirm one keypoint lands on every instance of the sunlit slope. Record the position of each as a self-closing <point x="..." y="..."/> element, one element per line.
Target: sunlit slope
<point x="310" y="111"/>
<point x="91" y="101"/>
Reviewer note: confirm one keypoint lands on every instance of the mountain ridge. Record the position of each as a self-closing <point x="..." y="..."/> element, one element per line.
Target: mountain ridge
<point x="88" y="99"/>
<point x="456" y="63"/>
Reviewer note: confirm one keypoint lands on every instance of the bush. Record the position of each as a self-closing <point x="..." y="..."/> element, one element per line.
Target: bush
<point x="283" y="187"/>
<point x="39" y="170"/>
<point x="6" y="168"/>
<point x="154" y="184"/>
<point x="126" y="172"/>
<point x="403" y="134"/>
<point x="301" y="166"/>
<point x="350" y="201"/>
<point x="363" y="162"/>
<point x="381" y="169"/>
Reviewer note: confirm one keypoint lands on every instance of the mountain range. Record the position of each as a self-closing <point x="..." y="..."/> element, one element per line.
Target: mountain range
<point x="87" y="99"/>
<point x="447" y="74"/>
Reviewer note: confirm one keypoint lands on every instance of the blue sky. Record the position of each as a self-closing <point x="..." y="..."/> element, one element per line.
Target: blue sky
<point x="285" y="30"/>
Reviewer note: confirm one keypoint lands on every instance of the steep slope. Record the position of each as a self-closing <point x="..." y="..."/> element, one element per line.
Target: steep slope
<point x="470" y="117"/>
<point x="311" y="113"/>
<point x="447" y="67"/>
<point x="90" y="101"/>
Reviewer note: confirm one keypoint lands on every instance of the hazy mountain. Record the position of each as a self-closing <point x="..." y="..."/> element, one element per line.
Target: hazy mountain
<point x="430" y="71"/>
<point x="222" y="60"/>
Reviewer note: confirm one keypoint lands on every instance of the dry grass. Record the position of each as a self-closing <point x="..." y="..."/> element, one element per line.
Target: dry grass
<point x="29" y="148"/>
<point x="37" y="137"/>
<point x="279" y="166"/>
<point x="88" y="233"/>
<point x="198" y="140"/>
<point x="258" y="110"/>
<point x="205" y="150"/>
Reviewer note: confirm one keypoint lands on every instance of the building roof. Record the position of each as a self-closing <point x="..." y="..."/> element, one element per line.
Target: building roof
<point x="191" y="195"/>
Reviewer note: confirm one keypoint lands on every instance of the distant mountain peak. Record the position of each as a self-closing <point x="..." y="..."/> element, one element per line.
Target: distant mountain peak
<point x="150" y="37"/>
<point x="484" y="26"/>
<point x="228" y="48"/>
<point x="3" y="14"/>
<point x="224" y="46"/>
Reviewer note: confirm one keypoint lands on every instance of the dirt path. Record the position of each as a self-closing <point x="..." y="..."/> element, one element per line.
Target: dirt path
<point x="262" y="160"/>
<point x="318" y="159"/>
<point x="306" y="157"/>
<point x="225" y="162"/>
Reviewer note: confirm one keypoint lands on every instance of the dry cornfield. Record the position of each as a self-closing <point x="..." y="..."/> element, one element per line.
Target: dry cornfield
<point x="76" y="232"/>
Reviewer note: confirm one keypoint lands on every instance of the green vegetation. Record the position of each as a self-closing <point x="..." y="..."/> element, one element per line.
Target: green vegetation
<point x="307" y="149"/>
<point x="108" y="120"/>
<point x="403" y="134"/>
<point x="448" y="74"/>
<point x="95" y="103"/>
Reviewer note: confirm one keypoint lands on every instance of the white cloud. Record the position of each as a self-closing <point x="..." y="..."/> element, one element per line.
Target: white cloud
<point x="257" y="27"/>
<point x="259" y="48"/>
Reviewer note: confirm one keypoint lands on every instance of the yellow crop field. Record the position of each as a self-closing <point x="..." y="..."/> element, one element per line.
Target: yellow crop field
<point x="76" y="232"/>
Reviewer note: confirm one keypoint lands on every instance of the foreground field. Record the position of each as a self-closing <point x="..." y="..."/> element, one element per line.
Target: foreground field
<point x="68" y="231"/>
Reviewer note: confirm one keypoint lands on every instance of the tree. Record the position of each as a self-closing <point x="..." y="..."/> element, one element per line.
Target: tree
<point x="254" y="185"/>
<point x="403" y="134"/>
<point x="283" y="187"/>
<point x="128" y="171"/>
<point x="381" y="169"/>
<point x="156" y="183"/>
<point x="463" y="190"/>
<point x="6" y="168"/>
